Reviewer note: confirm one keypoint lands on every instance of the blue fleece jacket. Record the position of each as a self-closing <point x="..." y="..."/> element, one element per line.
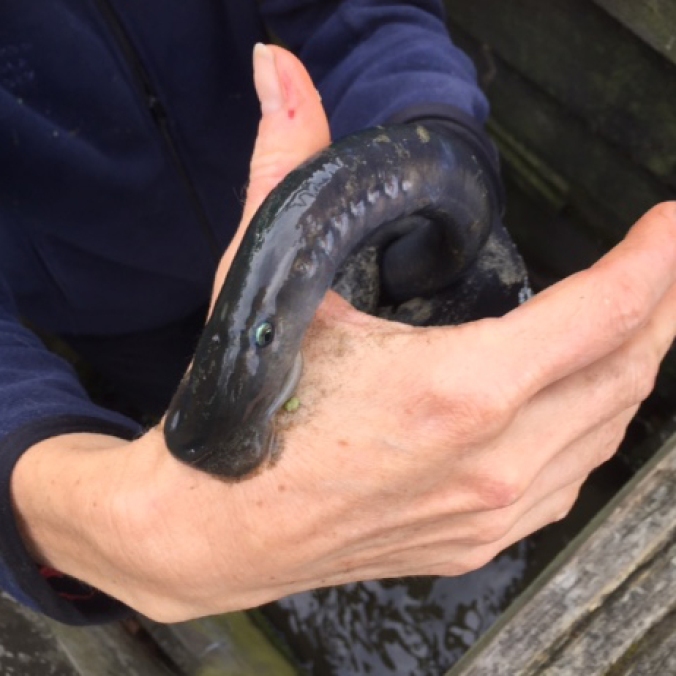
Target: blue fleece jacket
<point x="126" y="129"/>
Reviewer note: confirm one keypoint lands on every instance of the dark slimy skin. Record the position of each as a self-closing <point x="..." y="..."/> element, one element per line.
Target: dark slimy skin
<point x="247" y="363"/>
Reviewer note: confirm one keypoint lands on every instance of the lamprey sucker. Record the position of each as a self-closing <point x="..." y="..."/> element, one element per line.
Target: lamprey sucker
<point x="376" y="186"/>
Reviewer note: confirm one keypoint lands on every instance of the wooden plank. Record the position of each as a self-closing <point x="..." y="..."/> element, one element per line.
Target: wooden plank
<point x="554" y="241"/>
<point x="654" y="21"/>
<point x="223" y="645"/>
<point x="107" y="650"/>
<point x="229" y="645"/>
<point x="27" y="646"/>
<point x="603" y="595"/>
<point x="656" y="654"/>
<point x="601" y="183"/>
<point x="642" y="602"/>
<point x="33" y="645"/>
<point x="615" y="84"/>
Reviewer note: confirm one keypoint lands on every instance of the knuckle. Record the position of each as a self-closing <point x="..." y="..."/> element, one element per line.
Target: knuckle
<point x="498" y="492"/>
<point x="466" y="407"/>
<point x="639" y="371"/>
<point x="625" y="303"/>
<point x="488" y="411"/>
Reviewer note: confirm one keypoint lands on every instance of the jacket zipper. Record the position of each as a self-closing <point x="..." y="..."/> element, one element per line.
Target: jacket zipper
<point x="161" y="120"/>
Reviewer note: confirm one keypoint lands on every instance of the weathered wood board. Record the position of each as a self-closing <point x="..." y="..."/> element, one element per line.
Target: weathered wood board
<point x="228" y="645"/>
<point x="607" y="605"/>
<point x="223" y="645"/>
<point x="607" y="189"/>
<point x="32" y="645"/>
<point x="604" y="174"/>
<point x="654" y="21"/>
<point x="583" y="97"/>
<point x="587" y="61"/>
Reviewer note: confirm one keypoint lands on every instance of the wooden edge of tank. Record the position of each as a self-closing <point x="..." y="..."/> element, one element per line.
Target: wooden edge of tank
<point x="592" y="607"/>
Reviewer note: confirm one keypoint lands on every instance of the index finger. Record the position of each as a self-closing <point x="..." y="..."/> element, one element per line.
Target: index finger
<point x="590" y="314"/>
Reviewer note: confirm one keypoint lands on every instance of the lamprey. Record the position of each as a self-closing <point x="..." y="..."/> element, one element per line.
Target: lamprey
<point x="377" y="187"/>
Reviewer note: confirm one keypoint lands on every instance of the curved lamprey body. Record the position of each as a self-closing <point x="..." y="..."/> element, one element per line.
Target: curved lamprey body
<point x="377" y="186"/>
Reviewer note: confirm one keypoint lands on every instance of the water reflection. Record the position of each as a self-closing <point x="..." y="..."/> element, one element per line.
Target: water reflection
<point x="413" y="626"/>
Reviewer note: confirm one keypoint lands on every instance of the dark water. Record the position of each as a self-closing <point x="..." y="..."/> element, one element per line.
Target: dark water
<point x="423" y="626"/>
<point x="415" y="626"/>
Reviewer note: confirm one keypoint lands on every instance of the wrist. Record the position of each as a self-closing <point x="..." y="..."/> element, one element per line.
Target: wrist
<point x="63" y="492"/>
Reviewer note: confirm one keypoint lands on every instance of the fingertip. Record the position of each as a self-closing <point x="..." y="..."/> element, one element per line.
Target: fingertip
<point x="665" y="212"/>
<point x="301" y="98"/>
<point x="662" y="215"/>
<point x="666" y="209"/>
<point x="651" y="242"/>
<point x="266" y="79"/>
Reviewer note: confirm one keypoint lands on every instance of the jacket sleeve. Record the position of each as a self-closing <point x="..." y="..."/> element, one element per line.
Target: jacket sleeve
<point x="374" y="60"/>
<point x="41" y="397"/>
<point x="387" y="62"/>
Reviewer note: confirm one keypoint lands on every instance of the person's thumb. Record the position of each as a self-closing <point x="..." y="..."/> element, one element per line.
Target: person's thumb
<point x="293" y="127"/>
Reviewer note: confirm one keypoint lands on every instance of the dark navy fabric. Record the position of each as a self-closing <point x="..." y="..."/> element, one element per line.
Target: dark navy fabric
<point x="126" y="129"/>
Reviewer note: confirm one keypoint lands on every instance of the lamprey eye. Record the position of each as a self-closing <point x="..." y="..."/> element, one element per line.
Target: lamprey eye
<point x="264" y="335"/>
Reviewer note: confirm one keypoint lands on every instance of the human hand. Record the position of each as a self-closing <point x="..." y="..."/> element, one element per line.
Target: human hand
<point x="415" y="451"/>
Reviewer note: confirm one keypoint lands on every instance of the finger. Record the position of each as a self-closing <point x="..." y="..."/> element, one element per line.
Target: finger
<point x="551" y="509"/>
<point x="576" y="405"/>
<point x="454" y="556"/>
<point x="577" y="460"/>
<point x="455" y="559"/>
<point x="551" y="495"/>
<point x="586" y="316"/>
<point x="595" y="396"/>
<point x="572" y="465"/>
<point x="293" y="127"/>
